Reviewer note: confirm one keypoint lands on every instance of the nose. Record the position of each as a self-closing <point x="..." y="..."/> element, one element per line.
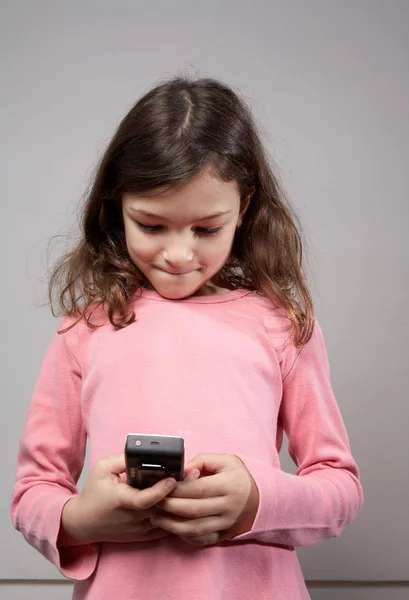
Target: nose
<point x="178" y="255"/>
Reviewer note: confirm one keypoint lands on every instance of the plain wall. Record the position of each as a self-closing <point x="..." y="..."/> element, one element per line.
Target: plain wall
<point x="329" y="83"/>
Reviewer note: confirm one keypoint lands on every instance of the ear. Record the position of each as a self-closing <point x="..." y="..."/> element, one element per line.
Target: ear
<point x="244" y="206"/>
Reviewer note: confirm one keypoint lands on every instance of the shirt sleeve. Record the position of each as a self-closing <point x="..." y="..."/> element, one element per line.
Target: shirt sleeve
<point x="325" y="495"/>
<point x="50" y="460"/>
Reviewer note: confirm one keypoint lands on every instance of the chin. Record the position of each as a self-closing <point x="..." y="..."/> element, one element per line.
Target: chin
<point x="174" y="294"/>
<point x="175" y="291"/>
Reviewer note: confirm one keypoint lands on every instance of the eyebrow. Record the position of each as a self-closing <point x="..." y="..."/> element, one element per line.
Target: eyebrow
<point x="146" y="213"/>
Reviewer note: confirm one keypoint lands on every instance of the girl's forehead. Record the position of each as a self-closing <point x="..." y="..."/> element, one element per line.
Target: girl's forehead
<point x="201" y="196"/>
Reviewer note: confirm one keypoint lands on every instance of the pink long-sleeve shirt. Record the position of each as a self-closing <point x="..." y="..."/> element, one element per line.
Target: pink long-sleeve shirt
<point x="222" y="372"/>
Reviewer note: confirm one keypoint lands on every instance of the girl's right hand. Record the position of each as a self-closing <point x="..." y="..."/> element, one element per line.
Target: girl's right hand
<point x="109" y="510"/>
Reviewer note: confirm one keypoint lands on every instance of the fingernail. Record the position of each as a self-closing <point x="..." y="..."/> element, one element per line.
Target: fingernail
<point x="170" y="483"/>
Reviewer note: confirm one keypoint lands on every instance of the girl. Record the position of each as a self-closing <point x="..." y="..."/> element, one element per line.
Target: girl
<point x="185" y="313"/>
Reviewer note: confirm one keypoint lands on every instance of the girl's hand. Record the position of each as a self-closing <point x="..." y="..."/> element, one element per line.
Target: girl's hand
<point x="108" y="509"/>
<point x="220" y="505"/>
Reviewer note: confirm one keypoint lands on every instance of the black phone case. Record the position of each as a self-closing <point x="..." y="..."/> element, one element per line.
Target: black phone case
<point x="150" y="458"/>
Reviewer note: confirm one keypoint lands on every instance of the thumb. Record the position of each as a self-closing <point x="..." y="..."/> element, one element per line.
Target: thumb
<point x="209" y="463"/>
<point x="147" y="498"/>
<point x="115" y="464"/>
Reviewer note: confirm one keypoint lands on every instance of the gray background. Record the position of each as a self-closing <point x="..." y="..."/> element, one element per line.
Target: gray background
<point x="329" y="83"/>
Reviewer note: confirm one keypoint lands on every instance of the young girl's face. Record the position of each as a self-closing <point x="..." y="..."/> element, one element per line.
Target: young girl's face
<point x="181" y="239"/>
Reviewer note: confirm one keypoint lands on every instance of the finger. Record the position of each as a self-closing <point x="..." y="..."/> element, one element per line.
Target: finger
<point x="192" y="475"/>
<point x="130" y="497"/>
<point x="140" y="518"/>
<point x="189" y="527"/>
<point x="205" y="487"/>
<point x="193" y="509"/>
<point x="140" y="527"/>
<point x="211" y="463"/>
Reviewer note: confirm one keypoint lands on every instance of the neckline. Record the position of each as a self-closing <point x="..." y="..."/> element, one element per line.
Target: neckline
<point x="215" y="299"/>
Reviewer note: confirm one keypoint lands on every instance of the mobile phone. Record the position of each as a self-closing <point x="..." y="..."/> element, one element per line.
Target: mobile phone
<point x="150" y="458"/>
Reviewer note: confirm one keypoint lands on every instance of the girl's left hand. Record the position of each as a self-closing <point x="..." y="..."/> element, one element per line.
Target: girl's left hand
<point x="221" y="504"/>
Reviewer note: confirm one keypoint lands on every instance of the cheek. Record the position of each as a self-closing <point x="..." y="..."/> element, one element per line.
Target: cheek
<point x="218" y="250"/>
<point x="142" y="249"/>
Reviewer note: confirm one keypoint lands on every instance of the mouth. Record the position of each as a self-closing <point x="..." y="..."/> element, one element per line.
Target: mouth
<point x="176" y="272"/>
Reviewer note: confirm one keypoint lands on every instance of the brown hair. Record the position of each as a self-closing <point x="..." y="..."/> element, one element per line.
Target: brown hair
<point x="173" y="133"/>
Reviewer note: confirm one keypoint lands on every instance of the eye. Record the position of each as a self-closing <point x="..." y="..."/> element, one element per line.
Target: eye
<point x="149" y="228"/>
<point x="208" y="230"/>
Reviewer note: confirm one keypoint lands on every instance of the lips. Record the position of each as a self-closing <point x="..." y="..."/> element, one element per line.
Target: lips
<point x="170" y="272"/>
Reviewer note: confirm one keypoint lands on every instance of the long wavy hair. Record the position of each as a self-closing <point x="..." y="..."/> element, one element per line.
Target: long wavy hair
<point x="173" y="133"/>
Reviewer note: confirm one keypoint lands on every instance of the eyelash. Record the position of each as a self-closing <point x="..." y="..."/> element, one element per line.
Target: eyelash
<point x="201" y="230"/>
